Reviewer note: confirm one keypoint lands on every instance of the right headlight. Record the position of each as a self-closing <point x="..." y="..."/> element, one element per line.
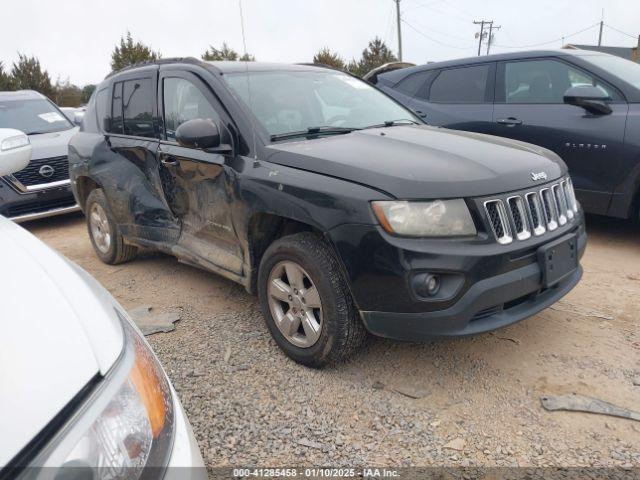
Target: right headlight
<point x="437" y="218"/>
<point x="123" y="429"/>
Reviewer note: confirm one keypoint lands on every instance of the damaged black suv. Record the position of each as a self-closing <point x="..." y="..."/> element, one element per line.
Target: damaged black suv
<point x="334" y="203"/>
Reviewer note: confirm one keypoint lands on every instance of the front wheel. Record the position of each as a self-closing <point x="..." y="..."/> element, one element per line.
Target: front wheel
<point x="306" y="302"/>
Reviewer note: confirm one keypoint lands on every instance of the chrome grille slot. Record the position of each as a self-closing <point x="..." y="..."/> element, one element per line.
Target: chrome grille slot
<point x="564" y="192"/>
<point x="549" y="207"/>
<point x="499" y="221"/>
<point x="519" y="217"/>
<point x="571" y="195"/>
<point x="536" y="213"/>
<point x="561" y="204"/>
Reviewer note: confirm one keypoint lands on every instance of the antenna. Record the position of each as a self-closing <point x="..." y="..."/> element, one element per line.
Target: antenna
<point x="246" y="56"/>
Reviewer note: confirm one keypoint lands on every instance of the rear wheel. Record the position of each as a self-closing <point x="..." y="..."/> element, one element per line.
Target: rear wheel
<point x="306" y="302"/>
<point x="105" y="236"/>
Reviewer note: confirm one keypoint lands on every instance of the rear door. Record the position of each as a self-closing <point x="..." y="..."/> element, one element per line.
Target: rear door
<point x="127" y="166"/>
<point x="457" y="97"/>
<point x="529" y="107"/>
<point x="198" y="185"/>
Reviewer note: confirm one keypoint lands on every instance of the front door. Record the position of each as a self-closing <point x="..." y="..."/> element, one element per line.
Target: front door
<point x="529" y="107"/>
<point x="197" y="183"/>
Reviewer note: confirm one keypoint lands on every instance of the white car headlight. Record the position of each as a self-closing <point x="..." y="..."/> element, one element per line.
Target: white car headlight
<point x="437" y="218"/>
<point x="125" y="427"/>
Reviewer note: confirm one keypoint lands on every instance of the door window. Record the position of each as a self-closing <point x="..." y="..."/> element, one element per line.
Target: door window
<point x="415" y="85"/>
<point x="184" y="101"/>
<point x="137" y="108"/>
<point x="132" y="108"/>
<point x="545" y="81"/>
<point x="460" y="85"/>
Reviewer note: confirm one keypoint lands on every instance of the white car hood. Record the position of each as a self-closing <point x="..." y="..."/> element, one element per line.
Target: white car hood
<point x="58" y="331"/>
<point x="55" y="144"/>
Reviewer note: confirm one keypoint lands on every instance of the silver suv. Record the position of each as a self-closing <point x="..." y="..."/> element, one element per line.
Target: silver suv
<point x="42" y="189"/>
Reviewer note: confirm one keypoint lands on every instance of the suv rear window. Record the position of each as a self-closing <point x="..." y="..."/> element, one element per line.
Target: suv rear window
<point x="415" y="85"/>
<point x="132" y="108"/>
<point x="460" y="85"/>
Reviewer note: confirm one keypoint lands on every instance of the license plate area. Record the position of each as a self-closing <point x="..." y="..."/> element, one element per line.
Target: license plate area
<point x="558" y="259"/>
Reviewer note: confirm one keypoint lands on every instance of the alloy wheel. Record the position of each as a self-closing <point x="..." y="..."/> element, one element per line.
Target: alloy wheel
<point x="100" y="230"/>
<point x="295" y="304"/>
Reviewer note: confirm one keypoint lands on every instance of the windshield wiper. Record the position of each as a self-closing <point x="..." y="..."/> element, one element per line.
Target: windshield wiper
<point x="313" y="131"/>
<point x="393" y="123"/>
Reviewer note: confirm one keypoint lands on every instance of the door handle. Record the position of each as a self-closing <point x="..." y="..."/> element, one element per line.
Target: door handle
<point x="169" y="161"/>
<point x="509" y="122"/>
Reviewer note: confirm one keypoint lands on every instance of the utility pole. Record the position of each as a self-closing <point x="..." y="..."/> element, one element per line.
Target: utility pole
<point x="399" y="20"/>
<point x="481" y="23"/>
<point x="490" y="38"/>
<point x="601" y="25"/>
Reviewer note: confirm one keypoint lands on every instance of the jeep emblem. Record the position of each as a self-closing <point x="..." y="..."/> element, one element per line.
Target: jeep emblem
<point x="535" y="176"/>
<point x="46" y="171"/>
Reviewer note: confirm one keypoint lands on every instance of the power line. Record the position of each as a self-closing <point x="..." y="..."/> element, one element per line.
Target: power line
<point x="620" y="31"/>
<point x="550" y="41"/>
<point x="431" y="38"/>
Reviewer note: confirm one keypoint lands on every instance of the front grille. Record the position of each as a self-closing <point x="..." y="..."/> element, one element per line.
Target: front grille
<point x="31" y="175"/>
<point x="39" y="206"/>
<point x="533" y="212"/>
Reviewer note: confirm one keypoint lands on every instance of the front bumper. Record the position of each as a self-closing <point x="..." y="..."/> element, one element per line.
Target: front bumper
<point x="49" y="202"/>
<point x="492" y="285"/>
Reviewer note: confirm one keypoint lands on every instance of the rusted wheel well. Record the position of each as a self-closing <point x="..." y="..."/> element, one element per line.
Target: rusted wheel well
<point x="266" y="228"/>
<point x="84" y="186"/>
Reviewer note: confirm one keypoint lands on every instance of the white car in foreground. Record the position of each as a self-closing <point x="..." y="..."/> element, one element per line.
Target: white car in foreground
<point x="80" y="389"/>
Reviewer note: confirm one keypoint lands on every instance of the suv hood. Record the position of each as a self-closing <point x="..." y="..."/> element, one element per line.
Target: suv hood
<point x="57" y="334"/>
<point x="421" y="162"/>
<point x="54" y="144"/>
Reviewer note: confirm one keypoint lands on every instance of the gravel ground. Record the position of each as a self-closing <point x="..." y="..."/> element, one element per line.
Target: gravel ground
<point x="468" y="401"/>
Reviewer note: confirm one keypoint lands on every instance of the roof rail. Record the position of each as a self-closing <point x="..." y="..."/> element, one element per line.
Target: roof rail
<point x="159" y="61"/>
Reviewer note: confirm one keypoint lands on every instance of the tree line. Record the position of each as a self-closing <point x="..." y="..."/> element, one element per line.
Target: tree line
<point x="28" y="74"/>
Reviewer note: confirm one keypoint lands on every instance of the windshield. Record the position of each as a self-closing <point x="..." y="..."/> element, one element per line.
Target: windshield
<point x="32" y="116"/>
<point x="293" y="101"/>
<point x="623" y="69"/>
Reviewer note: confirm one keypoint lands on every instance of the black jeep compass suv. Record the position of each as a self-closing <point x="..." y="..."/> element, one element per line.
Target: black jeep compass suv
<point x="330" y="200"/>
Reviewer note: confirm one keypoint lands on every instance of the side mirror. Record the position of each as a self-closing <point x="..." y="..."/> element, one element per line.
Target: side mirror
<point x="15" y="151"/>
<point x="591" y="98"/>
<point x="198" y="133"/>
<point x="77" y="118"/>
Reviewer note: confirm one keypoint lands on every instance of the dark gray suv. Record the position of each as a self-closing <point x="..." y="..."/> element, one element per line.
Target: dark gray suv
<point x="583" y="105"/>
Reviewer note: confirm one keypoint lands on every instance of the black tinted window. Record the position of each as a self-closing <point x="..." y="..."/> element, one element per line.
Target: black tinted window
<point x="102" y="108"/>
<point x="545" y="81"/>
<point x="115" y="125"/>
<point x="415" y="85"/>
<point x="137" y="108"/>
<point x="460" y="85"/>
<point x="183" y="101"/>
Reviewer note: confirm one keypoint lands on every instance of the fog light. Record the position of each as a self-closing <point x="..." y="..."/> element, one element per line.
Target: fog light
<point x="433" y="284"/>
<point x="426" y="284"/>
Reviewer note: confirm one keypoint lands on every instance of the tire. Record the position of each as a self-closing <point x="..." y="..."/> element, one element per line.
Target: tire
<point x="341" y="331"/>
<point x="115" y="250"/>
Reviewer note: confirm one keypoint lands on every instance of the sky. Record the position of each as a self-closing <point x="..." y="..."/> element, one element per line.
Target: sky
<point x="74" y="38"/>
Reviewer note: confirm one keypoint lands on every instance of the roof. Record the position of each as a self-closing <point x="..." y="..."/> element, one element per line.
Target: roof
<point x="21" y="95"/>
<point x="628" y="53"/>
<point x="397" y="74"/>
<point x="224" y="66"/>
<point x="241" y="67"/>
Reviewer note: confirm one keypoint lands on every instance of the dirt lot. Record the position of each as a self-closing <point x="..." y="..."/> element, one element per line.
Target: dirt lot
<point x="250" y="405"/>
